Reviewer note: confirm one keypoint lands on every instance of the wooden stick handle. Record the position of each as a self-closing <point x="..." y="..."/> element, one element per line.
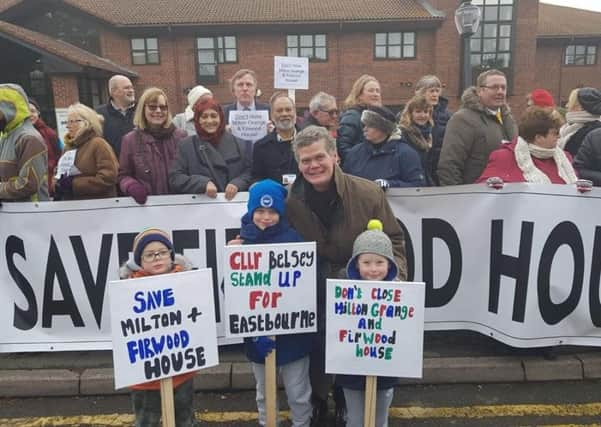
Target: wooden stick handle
<point x="271" y="389"/>
<point x="371" y="385"/>
<point x="167" y="405"/>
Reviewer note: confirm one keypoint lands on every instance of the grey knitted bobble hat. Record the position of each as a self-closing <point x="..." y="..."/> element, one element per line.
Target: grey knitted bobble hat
<point x="379" y="118"/>
<point x="373" y="241"/>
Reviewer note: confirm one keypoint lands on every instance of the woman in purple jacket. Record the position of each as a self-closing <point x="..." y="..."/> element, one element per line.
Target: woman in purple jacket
<point x="148" y="151"/>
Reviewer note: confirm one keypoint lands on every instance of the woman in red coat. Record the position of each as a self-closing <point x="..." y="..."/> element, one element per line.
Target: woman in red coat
<point x="534" y="155"/>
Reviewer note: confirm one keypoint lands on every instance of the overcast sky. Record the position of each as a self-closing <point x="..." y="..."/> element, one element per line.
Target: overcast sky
<point x="580" y="4"/>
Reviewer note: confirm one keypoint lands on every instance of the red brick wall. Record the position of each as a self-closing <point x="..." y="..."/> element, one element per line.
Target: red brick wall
<point x="65" y="90"/>
<point x="560" y="79"/>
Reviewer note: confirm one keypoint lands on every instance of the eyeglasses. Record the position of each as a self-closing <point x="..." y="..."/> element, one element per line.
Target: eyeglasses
<point x="72" y="122"/>
<point x="155" y="107"/>
<point x="496" y="88"/>
<point x="333" y="112"/>
<point x="151" y="256"/>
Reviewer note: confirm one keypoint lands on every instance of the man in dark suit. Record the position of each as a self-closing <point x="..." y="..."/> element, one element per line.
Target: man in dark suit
<point x="244" y="89"/>
<point x="118" y="113"/>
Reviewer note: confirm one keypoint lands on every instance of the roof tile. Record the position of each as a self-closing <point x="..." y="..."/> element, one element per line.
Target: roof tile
<point x="567" y="21"/>
<point x="62" y="49"/>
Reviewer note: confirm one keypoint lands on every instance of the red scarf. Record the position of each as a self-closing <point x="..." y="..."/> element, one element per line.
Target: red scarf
<point x="143" y="273"/>
<point x="198" y="109"/>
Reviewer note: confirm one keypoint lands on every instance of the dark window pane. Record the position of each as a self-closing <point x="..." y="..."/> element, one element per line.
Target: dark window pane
<point x="475" y="44"/>
<point x="306" y="51"/>
<point x="490" y="30"/>
<point x="306" y="41"/>
<point x="207" y="70"/>
<point x="394" y="38"/>
<point x="230" y="55"/>
<point x="592" y="50"/>
<point x="579" y="60"/>
<point x="504" y="30"/>
<point x="580" y="49"/>
<point x="205" y="43"/>
<point x="504" y="44"/>
<point x="394" y="52"/>
<point x="491" y="13"/>
<point x="137" y="44"/>
<point x="570" y="50"/>
<point x="292" y="41"/>
<point x="409" y="51"/>
<point x="475" y="59"/>
<point x="590" y="59"/>
<point x="152" y="44"/>
<point x="320" y="40"/>
<point x="503" y="59"/>
<point x="206" y="57"/>
<point x="153" y="57"/>
<point x="380" y="51"/>
<point x="320" y="53"/>
<point x="505" y="13"/>
<point x="230" y="42"/>
<point x="139" y="58"/>
<point x="490" y="45"/>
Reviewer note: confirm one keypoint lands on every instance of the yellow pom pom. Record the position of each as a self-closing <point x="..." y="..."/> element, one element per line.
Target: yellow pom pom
<point x="375" y="224"/>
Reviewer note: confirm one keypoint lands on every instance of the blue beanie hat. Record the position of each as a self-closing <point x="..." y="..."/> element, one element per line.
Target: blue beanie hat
<point x="148" y="236"/>
<point x="267" y="194"/>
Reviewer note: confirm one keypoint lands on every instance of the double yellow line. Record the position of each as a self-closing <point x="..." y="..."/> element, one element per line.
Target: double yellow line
<point x="408" y="413"/>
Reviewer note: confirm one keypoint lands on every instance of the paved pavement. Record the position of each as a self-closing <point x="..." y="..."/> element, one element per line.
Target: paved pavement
<point x="450" y="357"/>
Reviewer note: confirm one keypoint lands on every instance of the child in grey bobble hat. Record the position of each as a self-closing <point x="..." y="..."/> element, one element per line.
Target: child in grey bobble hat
<point x="372" y="259"/>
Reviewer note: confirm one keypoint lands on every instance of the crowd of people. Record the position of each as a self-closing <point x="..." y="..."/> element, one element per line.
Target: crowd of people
<point x="323" y="177"/>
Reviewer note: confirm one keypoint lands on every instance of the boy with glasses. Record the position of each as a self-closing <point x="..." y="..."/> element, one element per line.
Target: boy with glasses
<point x="153" y="254"/>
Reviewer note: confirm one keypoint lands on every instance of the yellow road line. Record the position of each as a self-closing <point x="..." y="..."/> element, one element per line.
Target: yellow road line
<point x="412" y="412"/>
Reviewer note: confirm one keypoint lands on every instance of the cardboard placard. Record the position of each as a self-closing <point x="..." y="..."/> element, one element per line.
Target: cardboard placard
<point x="162" y="326"/>
<point x="291" y="72"/>
<point x="270" y="289"/>
<point x="374" y="328"/>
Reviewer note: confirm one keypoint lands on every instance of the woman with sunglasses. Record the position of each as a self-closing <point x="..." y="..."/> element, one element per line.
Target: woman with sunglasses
<point x="88" y="167"/>
<point x="212" y="161"/>
<point x="148" y="151"/>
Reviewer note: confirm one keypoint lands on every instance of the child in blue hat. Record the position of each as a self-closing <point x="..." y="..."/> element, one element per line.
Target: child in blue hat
<point x="264" y="223"/>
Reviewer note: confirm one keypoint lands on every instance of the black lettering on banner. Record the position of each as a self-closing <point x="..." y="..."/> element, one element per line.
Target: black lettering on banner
<point x="185" y="239"/>
<point x="211" y="257"/>
<point x="435" y="228"/>
<point x="94" y="289"/>
<point x="510" y="266"/>
<point x="56" y="270"/>
<point x="125" y="242"/>
<point x="22" y="319"/>
<point x="409" y="254"/>
<point x="594" y="298"/>
<point x="565" y="233"/>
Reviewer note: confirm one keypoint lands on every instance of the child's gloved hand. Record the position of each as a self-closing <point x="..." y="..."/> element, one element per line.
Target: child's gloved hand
<point x="263" y="346"/>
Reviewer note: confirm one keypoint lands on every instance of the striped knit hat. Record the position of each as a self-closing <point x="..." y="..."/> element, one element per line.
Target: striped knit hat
<point x="148" y="236"/>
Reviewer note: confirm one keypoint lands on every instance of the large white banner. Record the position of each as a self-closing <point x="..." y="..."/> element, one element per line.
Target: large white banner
<point x="521" y="264"/>
<point x="374" y="328"/>
<point x="162" y="326"/>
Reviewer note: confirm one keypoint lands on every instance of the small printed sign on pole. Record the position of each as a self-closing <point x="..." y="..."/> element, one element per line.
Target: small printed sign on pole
<point x="374" y="328"/>
<point x="270" y="289"/>
<point x="291" y="72"/>
<point x="162" y="326"/>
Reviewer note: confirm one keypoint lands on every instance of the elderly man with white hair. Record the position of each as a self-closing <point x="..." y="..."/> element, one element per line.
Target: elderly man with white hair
<point x="118" y="113"/>
<point x="323" y="112"/>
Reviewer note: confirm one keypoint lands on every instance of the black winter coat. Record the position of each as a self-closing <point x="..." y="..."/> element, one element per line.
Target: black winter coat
<point x="350" y="131"/>
<point x="441" y="116"/>
<point x="575" y="141"/>
<point x="116" y="125"/>
<point x="272" y="159"/>
<point x="588" y="159"/>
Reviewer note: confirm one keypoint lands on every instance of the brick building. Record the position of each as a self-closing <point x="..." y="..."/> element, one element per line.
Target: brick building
<point x="62" y="51"/>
